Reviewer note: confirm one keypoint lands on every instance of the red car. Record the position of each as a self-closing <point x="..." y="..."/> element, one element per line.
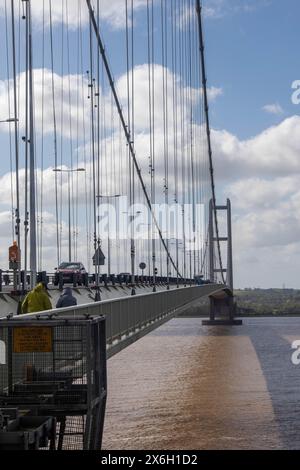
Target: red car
<point x="67" y="270"/>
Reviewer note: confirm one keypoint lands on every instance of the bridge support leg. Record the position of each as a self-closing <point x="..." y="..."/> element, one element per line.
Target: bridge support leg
<point x="224" y="309"/>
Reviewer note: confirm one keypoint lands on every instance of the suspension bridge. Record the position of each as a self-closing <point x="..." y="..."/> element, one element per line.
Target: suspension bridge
<point x="109" y="156"/>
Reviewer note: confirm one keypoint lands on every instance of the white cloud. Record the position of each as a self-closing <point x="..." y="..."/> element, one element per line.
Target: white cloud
<point x="267" y="216"/>
<point x="69" y="101"/>
<point x="256" y="193"/>
<point x="73" y="108"/>
<point x="218" y="8"/>
<point x="70" y="11"/>
<point x="114" y="11"/>
<point x="273" y="227"/>
<point x="214" y="93"/>
<point x="266" y="231"/>
<point x="274" y="152"/>
<point x="273" y="109"/>
<point x="141" y="95"/>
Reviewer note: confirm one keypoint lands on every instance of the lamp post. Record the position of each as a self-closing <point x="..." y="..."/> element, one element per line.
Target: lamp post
<point x="69" y="171"/>
<point x="108" y="197"/>
<point x="178" y="245"/>
<point x="133" y="251"/>
<point x="17" y="214"/>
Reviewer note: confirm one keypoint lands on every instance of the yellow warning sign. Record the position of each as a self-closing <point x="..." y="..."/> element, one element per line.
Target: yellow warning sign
<point x="32" y="339"/>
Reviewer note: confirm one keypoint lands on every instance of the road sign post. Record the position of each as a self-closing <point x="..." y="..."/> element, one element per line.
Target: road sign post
<point x="14" y="257"/>
<point x="143" y="267"/>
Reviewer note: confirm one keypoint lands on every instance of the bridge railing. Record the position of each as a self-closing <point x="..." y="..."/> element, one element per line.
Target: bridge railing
<point x="128" y="318"/>
<point x="8" y="278"/>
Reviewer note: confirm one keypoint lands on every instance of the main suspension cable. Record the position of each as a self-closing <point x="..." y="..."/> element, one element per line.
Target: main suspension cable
<point x="208" y="134"/>
<point x="125" y="129"/>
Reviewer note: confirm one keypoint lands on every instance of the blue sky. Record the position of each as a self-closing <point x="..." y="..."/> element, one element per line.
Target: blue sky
<point x="253" y="55"/>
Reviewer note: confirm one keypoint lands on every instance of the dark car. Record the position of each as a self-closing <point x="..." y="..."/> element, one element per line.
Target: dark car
<point x="125" y="277"/>
<point x="68" y="270"/>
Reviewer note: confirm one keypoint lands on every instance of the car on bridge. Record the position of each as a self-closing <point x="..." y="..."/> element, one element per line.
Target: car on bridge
<point x="68" y="270"/>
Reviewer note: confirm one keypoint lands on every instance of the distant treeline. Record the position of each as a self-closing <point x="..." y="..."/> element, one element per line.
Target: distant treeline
<point x="268" y="302"/>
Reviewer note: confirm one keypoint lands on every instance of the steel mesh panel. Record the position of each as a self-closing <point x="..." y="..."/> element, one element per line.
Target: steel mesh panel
<point x="66" y="363"/>
<point x="73" y="434"/>
<point x="55" y="368"/>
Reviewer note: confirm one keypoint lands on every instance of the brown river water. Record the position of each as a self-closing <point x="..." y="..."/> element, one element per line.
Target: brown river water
<point x="186" y="386"/>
